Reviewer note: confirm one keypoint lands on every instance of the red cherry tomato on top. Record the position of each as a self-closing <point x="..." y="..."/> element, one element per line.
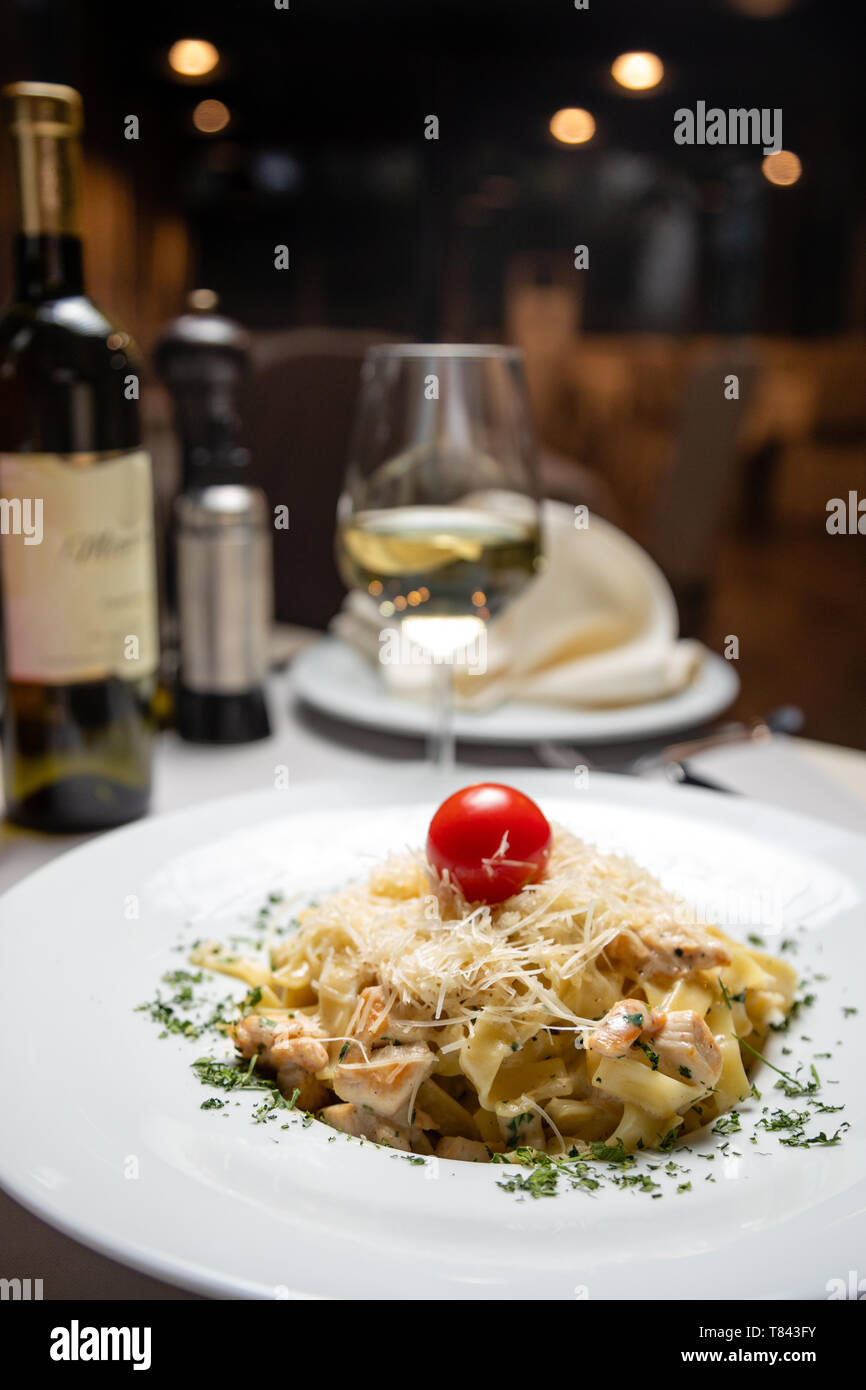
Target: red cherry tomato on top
<point x="491" y="839"/>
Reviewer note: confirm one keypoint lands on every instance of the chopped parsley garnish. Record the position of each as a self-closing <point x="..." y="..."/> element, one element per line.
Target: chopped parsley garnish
<point x="181" y="1014"/>
<point x="515" y="1125"/>
<point x="541" y="1182"/>
<point x="792" y="1125"/>
<point x="609" y="1153"/>
<point x="791" y="1085"/>
<point x="551" y="1172"/>
<point x="804" y="1001"/>
<point x="729" y="998"/>
<point x="275" y="1101"/>
<point x="230" y="1076"/>
<point x="727" y="1124"/>
<point x="653" y="1056"/>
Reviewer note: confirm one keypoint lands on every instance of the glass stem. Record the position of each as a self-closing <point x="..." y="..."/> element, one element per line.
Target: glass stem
<point x="442" y="744"/>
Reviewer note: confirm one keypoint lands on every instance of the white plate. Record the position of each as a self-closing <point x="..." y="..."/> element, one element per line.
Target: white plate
<point x="104" y="1136"/>
<point x="334" y="678"/>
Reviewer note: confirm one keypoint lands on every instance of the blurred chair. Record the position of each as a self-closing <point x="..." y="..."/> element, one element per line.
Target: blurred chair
<point x="626" y="391"/>
<point x="567" y="481"/>
<point x="695" y="496"/>
<point x="298" y="408"/>
<point x="822" y="454"/>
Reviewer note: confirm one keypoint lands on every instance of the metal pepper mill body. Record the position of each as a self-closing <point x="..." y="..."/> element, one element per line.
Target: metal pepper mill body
<point x="222" y="541"/>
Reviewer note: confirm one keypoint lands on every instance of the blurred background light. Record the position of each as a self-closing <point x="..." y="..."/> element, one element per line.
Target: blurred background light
<point x="637" y="71"/>
<point x="783" y="168"/>
<point x="204" y="301"/>
<point x="275" y="171"/>
<point x="761" y="9"/>
<point x="572" y="125"/>
<point x="210" y="116"/>
<point x="193" y="57"/>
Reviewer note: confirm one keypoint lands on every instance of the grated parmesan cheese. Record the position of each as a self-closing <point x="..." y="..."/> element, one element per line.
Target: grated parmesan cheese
<point x="524" y="960"/>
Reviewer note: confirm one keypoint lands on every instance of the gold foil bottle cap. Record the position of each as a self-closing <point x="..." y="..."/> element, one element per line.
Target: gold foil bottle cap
<point x="44" y="108"/>
<point x="46" y="120"/>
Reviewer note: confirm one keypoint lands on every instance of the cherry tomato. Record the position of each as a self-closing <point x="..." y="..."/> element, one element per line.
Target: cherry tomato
<point x="491" y="839"/>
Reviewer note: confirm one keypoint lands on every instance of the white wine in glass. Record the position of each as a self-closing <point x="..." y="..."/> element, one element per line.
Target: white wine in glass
<point x="439" y="518"/>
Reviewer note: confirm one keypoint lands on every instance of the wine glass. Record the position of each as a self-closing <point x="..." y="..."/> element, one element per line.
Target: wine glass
<point x="438" y="521"/>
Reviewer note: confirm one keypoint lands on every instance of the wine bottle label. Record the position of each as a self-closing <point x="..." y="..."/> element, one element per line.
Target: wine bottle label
<point x="78" y="567"/>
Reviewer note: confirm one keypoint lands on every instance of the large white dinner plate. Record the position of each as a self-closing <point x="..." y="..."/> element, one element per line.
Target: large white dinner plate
<point x="104" y="1135"/>
<point x="336" y="679"/>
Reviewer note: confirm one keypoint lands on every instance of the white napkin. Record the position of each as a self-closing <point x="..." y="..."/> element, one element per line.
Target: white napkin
<point x="792" y="773"/>
<point x="598" y="627"/>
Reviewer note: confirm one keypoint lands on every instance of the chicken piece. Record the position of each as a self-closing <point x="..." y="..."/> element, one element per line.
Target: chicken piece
<point x="370" y="1019"/>
<point x="280" y="1042"/>
<point x="311" y="1093"/>
<point x="666" y="950"/>
<point x="685" y="1046"/>
<point x="350" y="1120"/>
<point x="385" y="1083"/>
<point x="393" y="1136"/>
<point x="620" y="1028"/>
<point x="365" y="1125"/>
<point x="627" y="950"/>
<point x="467" y="1149"/>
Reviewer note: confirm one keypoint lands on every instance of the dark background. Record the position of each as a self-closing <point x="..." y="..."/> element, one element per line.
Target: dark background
<point x="325" y="150"/>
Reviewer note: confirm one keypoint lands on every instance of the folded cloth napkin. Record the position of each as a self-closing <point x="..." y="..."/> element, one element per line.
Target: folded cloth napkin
<point x="597" y="627"/>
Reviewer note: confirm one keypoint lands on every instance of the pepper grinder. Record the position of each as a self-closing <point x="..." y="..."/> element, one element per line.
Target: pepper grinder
<point x="222" y="572"/>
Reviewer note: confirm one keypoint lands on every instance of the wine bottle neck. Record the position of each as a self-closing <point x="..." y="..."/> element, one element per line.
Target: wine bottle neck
<point x="45" y="125"/>
<point x="47" y="267"/>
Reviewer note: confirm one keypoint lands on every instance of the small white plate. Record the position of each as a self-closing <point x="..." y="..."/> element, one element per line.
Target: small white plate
<point x="105" y="1137"/>
<point x="334" y="678"/>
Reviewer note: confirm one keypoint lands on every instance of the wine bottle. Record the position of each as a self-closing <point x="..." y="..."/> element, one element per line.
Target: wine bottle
<point x="77" y="556"/>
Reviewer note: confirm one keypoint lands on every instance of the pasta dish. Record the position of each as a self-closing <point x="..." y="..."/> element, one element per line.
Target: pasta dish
<point x="587" y="1005"/>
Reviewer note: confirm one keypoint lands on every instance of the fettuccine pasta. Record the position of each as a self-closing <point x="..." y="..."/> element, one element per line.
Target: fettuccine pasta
<point x="589" y="1006"/>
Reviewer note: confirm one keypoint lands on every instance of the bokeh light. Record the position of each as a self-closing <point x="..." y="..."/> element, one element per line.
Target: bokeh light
<point x="637" y="71"/>
<point x="782" y="168"/>
<point x="572" y="125"/>
<point x="761" y="9"/>
<point x="202" y="301"/>
<point x="210" y="116"/>
<point x="193" y="57"/>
